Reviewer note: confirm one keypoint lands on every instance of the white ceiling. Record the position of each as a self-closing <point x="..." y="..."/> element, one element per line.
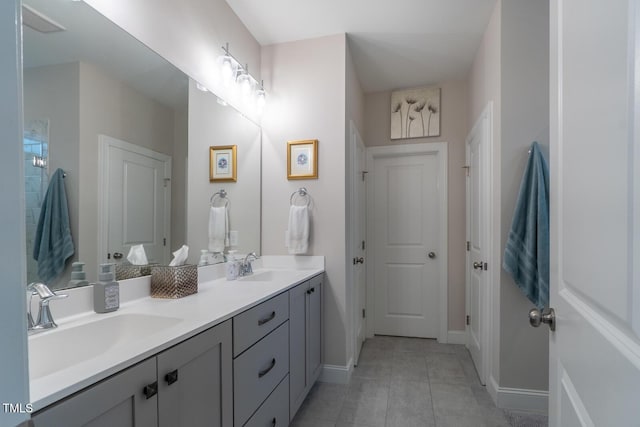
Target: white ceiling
<point x="394" y="43"/>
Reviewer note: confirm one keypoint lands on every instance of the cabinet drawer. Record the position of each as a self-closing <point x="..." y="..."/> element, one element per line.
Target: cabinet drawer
<point x="258" y="371"/>
<point x="274" y="412"/>
<point x="255" y="323"/>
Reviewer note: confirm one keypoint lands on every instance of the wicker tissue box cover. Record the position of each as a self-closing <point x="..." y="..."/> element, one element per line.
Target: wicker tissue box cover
<point x="174" y="282"/>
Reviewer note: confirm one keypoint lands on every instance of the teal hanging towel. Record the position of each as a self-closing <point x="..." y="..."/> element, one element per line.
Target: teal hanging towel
<point x="53" y="242"/>
<point x="526" y="255"/>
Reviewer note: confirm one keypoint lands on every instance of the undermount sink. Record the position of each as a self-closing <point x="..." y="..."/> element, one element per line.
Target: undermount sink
<point x="266" y="276"/>
<point x="64" y="347"/>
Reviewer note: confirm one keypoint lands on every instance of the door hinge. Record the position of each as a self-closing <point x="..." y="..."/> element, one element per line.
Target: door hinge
<point x="166" y="182"/>
<point x="364" y="314"/>
<point x="468" y="319"/>
<point x="363" y="245"/>
<point x="364" y="173"/>
<point x="468" y="246"/>
<point x="466" y="168"/>
<point x="164" y="241"/>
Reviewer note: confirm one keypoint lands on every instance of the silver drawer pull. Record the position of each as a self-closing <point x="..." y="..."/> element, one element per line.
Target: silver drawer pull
<point x="267" y="319"/>
<point x="266" y="371"/>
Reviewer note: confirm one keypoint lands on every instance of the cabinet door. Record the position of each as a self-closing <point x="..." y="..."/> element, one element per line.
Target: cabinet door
<point x="117" y="401"/>
<point x="314" y="330"/>
<point x="297" y="346"/>
<point x="195" y="381"/>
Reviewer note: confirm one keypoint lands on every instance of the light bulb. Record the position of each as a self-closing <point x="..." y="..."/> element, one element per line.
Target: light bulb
<point x="227" y="68"/>
<point x="244" y="81"/>
<point x="261" y="99"/>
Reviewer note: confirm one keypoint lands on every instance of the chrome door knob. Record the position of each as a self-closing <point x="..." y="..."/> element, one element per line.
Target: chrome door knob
<point x="431" y="255"/>
<point x="117" y="255"/>
<point x="358" y="261"/>
<point x="477" y="265"/>
<point x="547" y="316"/>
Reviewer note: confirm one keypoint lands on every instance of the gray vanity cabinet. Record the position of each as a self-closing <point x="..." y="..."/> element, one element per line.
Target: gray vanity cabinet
<point x="305" y="340"/>
<point x="195" y="381"/>
<point x="189" y="384"/>
<point x="116" y="401"/>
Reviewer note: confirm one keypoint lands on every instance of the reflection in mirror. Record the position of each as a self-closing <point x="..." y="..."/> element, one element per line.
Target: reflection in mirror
<point x="92" y="82"/>
<point x="87" y="81"/>
<point x="213" y="123"/>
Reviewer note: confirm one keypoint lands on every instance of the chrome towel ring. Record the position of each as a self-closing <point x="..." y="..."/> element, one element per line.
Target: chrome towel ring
<point x="300" y="194"/>
<point x="220" y="195"/>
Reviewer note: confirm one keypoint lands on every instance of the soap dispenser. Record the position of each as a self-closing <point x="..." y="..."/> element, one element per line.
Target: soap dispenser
<point x="232" y="266"/>
<point x="106" y="293"/>
<point x="204" y="257"/>
<point x="78" y="275"/>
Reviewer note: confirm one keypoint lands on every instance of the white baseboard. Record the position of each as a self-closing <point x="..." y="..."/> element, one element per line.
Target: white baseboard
<point x="457" y="337"/>
<point x="536" y="401"/>
<point x="336" y="373"/>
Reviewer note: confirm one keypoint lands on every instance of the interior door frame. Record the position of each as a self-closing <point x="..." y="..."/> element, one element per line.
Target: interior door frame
<point x="104" y="143"/>
<point x="484" y="128"/>
<point x="352" y="251"/>
<point x="441" y="149"/>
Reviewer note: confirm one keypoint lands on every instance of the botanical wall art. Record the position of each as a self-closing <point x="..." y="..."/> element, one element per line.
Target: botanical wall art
<point x="302" y="159"/>
<point x="415" y="113"/>
<point x="222" y="163"/>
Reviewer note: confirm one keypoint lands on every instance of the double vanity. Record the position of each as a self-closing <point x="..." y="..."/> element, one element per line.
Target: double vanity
<point x="237" y="353"/>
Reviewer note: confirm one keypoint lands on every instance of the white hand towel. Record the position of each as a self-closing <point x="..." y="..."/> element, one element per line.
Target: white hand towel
<point x="218" y="229"/>
<point x="298" y="232"/>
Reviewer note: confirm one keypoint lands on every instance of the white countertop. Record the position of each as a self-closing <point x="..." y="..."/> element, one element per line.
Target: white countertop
<point x="216" y="301"/>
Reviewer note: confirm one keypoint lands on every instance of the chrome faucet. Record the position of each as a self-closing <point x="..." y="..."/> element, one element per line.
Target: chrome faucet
<point x="245" y="266"/>
<point x="45" y="319"/>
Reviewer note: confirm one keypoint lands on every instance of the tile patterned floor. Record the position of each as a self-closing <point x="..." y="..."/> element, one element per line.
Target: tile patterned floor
<point x="406" y="382"/>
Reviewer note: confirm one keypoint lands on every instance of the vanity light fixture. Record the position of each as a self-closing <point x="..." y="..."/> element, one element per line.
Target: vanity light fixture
<point x="40" y="162"/>
<point x="201" y="87"/>
<point x="261" y="97"/>
<point x="227" y="65"/>
<point x="233" y="71"/>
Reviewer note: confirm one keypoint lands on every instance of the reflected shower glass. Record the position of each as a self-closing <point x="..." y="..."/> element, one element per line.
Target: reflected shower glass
<point x="36" y="180"/>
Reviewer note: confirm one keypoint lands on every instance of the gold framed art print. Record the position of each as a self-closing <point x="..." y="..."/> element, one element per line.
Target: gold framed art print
<point x="302" y="159"/>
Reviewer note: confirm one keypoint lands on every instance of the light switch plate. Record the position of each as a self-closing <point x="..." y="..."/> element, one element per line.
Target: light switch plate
<point x="233" y="238"/>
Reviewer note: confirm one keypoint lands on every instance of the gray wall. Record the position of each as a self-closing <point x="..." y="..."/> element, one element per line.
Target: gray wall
<point x="524" y="361"/>
<point x="212" y="124"/>
<point x="179" y="180"/>
<point x="82" y="102"/>
<point x="14" y="387"/>
<point x="484" y="87"/>
<point x="511" y="69"/>
<point x="307" y="89"/>
<point x="53" y="92"/>
<point x="193" y="32"/>
<point x="377" y="132"/>
<point x="111" y="108"/>
<point x="354" y="111"/>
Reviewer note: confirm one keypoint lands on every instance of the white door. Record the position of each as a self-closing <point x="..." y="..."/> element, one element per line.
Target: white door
<point x="595" y="214"/>
<point x="478" y="240"/>
<point x="358" y="230"/>
<point x="137" y="205"/>
<point x="409" y="239"/>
